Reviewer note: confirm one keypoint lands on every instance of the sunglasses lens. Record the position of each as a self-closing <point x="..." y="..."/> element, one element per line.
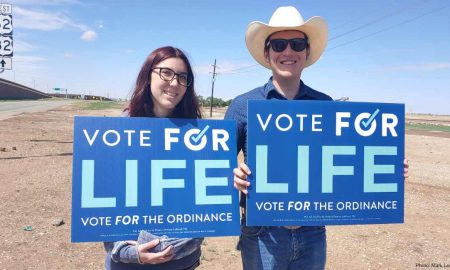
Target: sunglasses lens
<point x="298" y="44"/>
<point x="278" y="45"/>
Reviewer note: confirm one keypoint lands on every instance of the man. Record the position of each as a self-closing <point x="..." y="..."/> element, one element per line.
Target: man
<point x="286" y="46"/>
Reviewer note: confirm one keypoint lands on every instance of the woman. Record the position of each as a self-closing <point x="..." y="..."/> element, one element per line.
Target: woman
<point x="164" y="88"/>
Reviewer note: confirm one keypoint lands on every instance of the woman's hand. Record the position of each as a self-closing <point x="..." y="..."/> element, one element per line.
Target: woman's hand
<point x="405" y="168"/>
<point x="240" y="178"/>
<point x="148" y="257"/>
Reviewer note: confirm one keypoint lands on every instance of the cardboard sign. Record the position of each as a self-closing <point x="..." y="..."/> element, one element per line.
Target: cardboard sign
<point x="319" y="163"/>
<point x="166" y="176"/>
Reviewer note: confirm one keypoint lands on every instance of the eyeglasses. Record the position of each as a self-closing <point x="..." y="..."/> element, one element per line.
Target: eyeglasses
<point x="279" y="45"/>
<point x="167" y="74"/>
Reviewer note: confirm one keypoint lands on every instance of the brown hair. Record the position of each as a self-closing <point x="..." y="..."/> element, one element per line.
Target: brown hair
<point x="141" y="103"/>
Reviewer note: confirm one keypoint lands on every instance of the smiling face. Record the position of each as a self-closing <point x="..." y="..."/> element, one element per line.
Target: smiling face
<point x="167" y="94"/>
<point x="288" y="64"/>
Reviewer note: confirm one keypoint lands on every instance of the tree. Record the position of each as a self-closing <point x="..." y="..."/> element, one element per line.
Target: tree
<point x="217" y="102"/>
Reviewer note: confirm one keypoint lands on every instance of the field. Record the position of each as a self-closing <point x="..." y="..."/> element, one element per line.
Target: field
<point x="35" y="193"/>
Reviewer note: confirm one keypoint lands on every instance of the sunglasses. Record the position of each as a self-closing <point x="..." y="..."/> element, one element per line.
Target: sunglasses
<point x="279" y="45"/>
<point x="167" y="74"/>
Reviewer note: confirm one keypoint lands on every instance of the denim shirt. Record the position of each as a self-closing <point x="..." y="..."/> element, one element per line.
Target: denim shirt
<point x="238" y="111"/>
<point x="123" y="255"/>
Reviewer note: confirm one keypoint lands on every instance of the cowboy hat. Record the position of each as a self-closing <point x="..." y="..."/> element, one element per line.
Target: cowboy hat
<point x="287" y="18"/>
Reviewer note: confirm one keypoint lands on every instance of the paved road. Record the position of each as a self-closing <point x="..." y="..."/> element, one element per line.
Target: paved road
<point x="9" y="109"/>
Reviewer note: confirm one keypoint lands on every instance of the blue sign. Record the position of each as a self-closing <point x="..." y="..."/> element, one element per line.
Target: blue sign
<point x="166" y="176"/>
<point x="319" y="163"/>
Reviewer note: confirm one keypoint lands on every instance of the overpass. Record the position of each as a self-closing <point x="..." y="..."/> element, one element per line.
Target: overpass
<point x="12" y="90"/>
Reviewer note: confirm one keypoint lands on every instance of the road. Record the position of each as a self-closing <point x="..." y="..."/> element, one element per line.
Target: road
<point x="9" y="109"/>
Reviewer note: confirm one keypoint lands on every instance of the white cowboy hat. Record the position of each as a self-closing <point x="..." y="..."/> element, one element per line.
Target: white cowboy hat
<point x="287" y="18"/>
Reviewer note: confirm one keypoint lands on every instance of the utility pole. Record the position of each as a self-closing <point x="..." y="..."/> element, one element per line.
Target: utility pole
<point x="212" y="89"/>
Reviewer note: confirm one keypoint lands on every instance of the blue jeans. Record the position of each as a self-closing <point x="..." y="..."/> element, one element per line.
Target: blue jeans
<point x="280" y="248"/>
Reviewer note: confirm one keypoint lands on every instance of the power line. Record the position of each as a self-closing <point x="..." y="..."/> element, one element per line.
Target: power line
<point x="255" y="68"/>
<point x="245" y="69"/>
<point x="389" y="28"/>
<point x="377" y="20"/>
<point x="258" y="67"/>
<point x="233" y="70"/>
<point x="357" y="18"/>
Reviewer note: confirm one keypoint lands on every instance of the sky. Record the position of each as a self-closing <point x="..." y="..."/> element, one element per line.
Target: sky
<point x="378" y="51"/>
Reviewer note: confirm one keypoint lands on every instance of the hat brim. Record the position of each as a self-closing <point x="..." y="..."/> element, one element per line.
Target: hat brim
<point x="315" y="28"/>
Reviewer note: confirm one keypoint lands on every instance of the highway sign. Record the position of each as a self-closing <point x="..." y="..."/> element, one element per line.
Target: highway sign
<point x="6" y="24"/>
<point x="5" y="8"/>
<point x="6" y="63"/>
<point x="6" y="46"/>
<point x="6" y="39"/>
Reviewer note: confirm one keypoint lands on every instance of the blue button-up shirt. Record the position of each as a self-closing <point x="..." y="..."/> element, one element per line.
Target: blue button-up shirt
<point x="238" y="110"/>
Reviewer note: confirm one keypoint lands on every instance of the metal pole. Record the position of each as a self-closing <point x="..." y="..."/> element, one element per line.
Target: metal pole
<point x="212" y="88"/>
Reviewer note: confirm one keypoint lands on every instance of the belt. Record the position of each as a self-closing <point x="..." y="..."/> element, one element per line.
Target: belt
<point x="292" y="227"/>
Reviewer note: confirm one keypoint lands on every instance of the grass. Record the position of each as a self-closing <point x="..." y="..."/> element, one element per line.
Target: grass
<point x="427" y="127"/>
<point x="100" y="105"/>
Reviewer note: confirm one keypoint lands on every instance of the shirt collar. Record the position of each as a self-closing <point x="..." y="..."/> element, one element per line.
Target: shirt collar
<point x="270" y="91"/>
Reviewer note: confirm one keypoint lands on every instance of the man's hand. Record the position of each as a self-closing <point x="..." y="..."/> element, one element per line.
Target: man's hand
<point x="405" y="168"/>
<point x="240" y="178"/>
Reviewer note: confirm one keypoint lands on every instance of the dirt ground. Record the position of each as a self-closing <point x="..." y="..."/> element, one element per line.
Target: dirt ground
<point x="35" y="190"/>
